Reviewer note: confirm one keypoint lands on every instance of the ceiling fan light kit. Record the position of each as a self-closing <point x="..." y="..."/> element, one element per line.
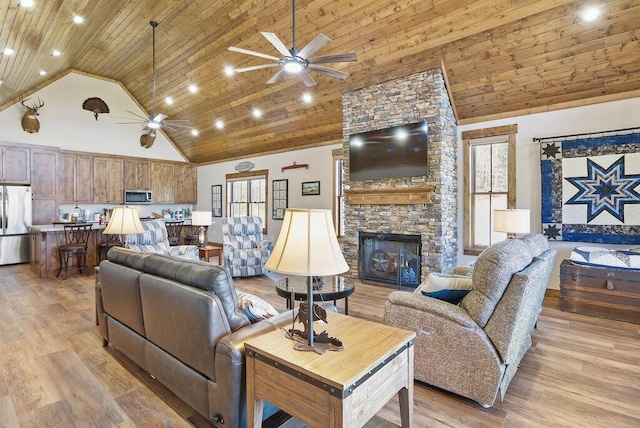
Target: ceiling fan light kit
<point x="297" y="62"/>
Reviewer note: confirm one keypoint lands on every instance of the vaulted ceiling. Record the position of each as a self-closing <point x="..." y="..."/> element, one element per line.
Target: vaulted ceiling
<point x="501" y="57"/>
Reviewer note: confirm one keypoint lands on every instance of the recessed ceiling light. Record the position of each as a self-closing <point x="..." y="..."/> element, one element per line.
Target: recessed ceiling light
<point x="194" y="132"/>
<point x="56" y="52"/>
<point x="42" y="73"/>
<point x="168" y="100"/>
<point x="0" y="82"/>
<point x="228" y="70"/>
<point x="590" y="14"/>
<point x="26" y="3"/>
<point x="77" y="19"/>
<point x="193" y="88"/>
<point x="307" y="97"/>
<point x="219" y="124"/>
<point x="257" y="113"/>
<point x="8" y="51"/>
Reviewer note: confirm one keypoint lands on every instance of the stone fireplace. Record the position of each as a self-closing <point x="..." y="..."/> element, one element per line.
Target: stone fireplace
<point x="423" y="208"/>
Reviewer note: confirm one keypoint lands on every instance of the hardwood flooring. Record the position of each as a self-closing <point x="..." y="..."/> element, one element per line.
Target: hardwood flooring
<point x="582" y="371"/>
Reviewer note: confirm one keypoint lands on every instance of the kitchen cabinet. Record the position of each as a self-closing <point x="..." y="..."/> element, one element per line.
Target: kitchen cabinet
<point x="136" y="174"/>
<point x="75" y="178"/>
<point x="107" y="181"/>
<point x="185" y="184"/>
<point x="163" y="183"/>
<point x="14" y="165"/>
<point x="44" y="186"/>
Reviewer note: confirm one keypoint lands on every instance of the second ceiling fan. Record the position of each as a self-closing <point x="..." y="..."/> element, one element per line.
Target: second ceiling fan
<point x="296" y="61"/>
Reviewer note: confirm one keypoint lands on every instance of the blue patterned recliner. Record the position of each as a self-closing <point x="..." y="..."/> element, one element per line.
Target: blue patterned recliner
<point x="155" y="239"/>
<point x="245" y="251"/>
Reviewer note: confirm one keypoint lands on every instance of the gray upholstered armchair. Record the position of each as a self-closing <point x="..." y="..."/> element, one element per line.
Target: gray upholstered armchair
<point x="155" y="239"/>
<point x="473" y="349"/>
<point x="245" y="251"/>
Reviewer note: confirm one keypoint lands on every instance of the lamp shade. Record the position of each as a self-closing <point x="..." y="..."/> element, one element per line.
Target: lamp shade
<point x="201" y="218"/>
<point x="511" y="221"/>
<point x="307" y="245"/>
<point x="124" y="220"/>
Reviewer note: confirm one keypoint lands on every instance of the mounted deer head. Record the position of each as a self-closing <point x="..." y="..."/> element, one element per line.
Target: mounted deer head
<point x="30" y="121"/>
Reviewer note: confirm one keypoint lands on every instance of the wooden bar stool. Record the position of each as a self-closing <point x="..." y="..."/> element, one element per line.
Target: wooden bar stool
<point x="174" y="229"/>
<point x="76" y="238"/>
<point x="104" y="247"/>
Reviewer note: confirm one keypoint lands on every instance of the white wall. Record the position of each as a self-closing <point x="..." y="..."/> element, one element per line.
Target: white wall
<point x="64" y="124"/>
<point x="320" y="169"/>
<point x="592" y="118"/>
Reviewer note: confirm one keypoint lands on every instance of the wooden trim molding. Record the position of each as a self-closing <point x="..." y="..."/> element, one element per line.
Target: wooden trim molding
<point x="407" y="196"/>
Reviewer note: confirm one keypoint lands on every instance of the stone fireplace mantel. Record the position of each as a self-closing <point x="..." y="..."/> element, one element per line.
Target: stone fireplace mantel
<point x="392" y="196"/>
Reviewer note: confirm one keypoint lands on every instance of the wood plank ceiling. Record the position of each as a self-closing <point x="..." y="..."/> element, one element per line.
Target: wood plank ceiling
<point x="501" y="57"/>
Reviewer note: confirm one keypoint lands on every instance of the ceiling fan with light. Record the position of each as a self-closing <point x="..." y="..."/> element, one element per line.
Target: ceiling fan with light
<point x="296" y="61"/>
<point x="156" y="120"/>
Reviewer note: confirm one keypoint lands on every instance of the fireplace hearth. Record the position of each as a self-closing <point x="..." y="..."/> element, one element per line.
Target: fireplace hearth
<point x="389" y="258"/>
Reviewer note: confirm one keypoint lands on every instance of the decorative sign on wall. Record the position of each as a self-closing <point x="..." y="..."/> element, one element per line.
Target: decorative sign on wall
<point x="591" y="187"/>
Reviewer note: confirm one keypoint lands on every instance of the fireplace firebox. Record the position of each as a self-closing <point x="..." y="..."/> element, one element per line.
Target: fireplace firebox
<point x="389" y="258"/>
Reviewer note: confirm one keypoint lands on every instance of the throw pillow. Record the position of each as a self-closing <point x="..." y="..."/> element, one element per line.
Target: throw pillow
<point x="256" y="308"/>
<point x="451" y="288"/>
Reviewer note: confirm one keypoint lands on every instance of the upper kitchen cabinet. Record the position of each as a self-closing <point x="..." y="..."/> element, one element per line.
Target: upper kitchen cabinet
<point x="136" y="174"/>
<point x="163" y="184"/>
<point x="186" y="184"/>
<point x="107" y="181"/>
<point x="44" y="168"/>
<point x="75" y="179"/>
<point x="14" y="165"/>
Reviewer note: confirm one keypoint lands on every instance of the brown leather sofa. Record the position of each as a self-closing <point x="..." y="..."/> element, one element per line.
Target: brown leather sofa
<point x="179" y="320"/>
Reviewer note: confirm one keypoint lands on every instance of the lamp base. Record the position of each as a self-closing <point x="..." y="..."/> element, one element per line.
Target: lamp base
<point x="321" y="342"/>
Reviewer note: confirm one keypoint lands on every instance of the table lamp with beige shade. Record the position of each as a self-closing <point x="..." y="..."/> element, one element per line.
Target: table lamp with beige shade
<point x="307" y="246"/>
<point x="123" y="221"/>
<point x="512" y="221"/>
<point x="202" y="219"/>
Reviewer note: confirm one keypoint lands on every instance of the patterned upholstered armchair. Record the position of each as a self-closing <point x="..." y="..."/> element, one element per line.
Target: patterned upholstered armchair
<point x="245" y="251"/>
<point x="155" y="239"/>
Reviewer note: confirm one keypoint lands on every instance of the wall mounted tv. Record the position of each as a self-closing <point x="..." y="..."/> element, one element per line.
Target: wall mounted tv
<point x="395" y="152"/>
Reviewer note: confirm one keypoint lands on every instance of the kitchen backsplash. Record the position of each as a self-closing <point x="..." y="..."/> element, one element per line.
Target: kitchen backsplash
<point x="143" y="210"/>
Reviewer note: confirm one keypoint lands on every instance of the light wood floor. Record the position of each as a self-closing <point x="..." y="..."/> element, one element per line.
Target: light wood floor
<point x="582" y="371"/>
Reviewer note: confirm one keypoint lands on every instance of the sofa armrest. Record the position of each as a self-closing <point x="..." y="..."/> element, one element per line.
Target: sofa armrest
<point x="232" y="345"/>
<point x="189" y="252"/>
<point x="432" y="306"/>
<point x="265" y="245"/>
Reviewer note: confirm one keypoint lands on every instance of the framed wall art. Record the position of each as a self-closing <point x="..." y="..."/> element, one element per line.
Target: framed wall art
<point x="280" y="192"/>
<point x="310" y="188"/>
<point x="216" y="200"/>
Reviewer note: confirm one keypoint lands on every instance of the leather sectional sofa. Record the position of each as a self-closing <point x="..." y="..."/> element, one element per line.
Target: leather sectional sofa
<point x="179" y="320"/>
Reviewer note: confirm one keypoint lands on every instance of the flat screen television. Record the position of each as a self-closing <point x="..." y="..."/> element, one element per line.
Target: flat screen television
<point x="400" y="151"/>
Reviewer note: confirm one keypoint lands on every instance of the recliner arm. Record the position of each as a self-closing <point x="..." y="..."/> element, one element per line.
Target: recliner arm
<point x="433" y="306"/>
<point x="185" y="251"/>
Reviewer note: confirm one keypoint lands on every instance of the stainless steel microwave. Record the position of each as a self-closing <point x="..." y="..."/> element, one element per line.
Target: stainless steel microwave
<point x="137" y="197"/>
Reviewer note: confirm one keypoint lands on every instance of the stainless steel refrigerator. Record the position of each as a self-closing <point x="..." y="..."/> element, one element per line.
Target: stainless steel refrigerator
<point x="15" y="219"/>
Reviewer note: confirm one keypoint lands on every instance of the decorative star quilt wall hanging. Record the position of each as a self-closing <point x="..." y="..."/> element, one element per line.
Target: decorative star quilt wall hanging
<point x="591" y="189"/>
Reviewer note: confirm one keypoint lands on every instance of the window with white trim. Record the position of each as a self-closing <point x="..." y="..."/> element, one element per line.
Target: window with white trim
<point x="247" y="195"/>
<point x="490" y="183"/>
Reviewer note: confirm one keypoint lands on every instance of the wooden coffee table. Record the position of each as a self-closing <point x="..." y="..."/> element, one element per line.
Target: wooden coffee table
<point x="337" y="389"/>
<point x="334" y="288"/>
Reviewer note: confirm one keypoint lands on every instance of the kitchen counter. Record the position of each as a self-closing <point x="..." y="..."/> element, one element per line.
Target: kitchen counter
<point x="45" y="239"/>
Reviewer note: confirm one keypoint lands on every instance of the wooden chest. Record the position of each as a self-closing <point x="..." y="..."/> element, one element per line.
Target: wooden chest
<point x="605" y="292"/>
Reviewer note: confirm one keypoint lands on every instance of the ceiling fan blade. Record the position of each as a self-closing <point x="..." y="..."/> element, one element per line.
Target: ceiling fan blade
<point x="177" y="123"/>
<point x="328" y="71"/>
<point x="254" y="53"/>
<point x="275" y="41"/>
<point x="345" y="57"/>
<point x="314" y="45"/>
<point x="137" y="115"/>
<point x="307" y="79"/>
<point x="170" y="128"/>
<point x="276" y="77"/>
<point x="130" y="123"/>
<point x="159" y="118"/>
<point x="255" y="67"/>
